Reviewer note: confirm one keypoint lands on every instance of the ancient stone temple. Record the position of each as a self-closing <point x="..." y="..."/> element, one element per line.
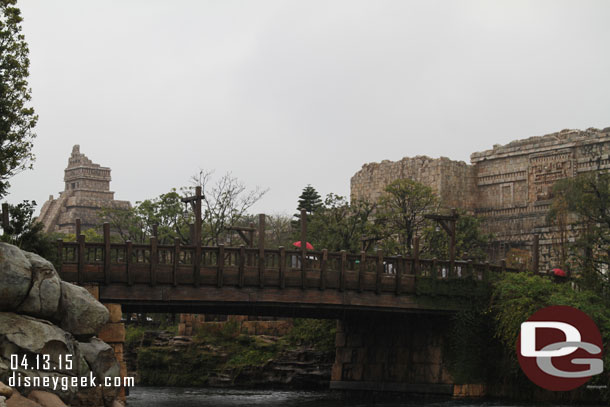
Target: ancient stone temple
<point x="86" y="191"/>
<point x="509" y="186"/>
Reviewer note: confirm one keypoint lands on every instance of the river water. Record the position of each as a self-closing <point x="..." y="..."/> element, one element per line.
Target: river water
<point x="197" y="397"/>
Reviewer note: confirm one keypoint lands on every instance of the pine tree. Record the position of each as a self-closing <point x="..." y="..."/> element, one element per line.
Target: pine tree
<point x="309" y="200"/>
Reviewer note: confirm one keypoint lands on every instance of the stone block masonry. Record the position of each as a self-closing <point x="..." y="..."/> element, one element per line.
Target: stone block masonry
<point x="509" y="186"/>
<point x="402" y="355"/>
<point x="113" y="333"/>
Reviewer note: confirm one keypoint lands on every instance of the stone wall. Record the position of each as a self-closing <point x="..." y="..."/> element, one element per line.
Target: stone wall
<point x="453" y="181"/>
<point x="509" y="186"/>
<point x="404" y="355"/>
<point x="86" y="191"/>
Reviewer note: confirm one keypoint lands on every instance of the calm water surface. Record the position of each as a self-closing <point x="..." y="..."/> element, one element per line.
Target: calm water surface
<point x="195" y="397"/>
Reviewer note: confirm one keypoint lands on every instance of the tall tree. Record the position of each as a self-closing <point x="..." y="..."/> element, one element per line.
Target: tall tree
<point x="471" y="242"/>
<point x="402" y="207"/>
<point x="309" y="200"/>
<point x="340" y="225"/>
<point x="17" y="119"/>
<point x="225" y="204"/>
<point x="587" y="198"/>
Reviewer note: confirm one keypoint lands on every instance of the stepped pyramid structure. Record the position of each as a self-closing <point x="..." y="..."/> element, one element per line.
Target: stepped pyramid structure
<point x="86" y="191"/>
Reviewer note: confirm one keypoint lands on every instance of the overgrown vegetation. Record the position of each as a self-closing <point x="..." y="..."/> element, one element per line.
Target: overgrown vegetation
<point x="319" y="333"/>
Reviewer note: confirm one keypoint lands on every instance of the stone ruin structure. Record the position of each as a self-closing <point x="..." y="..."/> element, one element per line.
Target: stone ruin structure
<point x="509" y="186"/>
<point x="86" y="191"/>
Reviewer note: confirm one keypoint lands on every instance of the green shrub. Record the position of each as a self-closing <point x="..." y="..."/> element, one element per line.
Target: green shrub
<point x="319" y="333"/>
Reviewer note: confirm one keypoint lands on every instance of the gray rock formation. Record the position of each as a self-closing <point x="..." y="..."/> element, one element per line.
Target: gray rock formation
<point x="30" y="285"/>
<point x="15" y="277"/>
<point x="43" y="298"/>
<point x="100" y="357"/>
<point x="81" y="314"/>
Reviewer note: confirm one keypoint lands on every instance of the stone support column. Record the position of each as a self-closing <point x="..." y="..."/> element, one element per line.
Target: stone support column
<point x="400" y="354"/>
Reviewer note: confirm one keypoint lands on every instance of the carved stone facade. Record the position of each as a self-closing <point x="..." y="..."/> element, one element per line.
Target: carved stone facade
<point x="509" y="186"/>
<point x="86" y="191"/>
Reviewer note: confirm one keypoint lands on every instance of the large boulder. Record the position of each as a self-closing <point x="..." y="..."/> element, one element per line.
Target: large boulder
<point x="101" y="359"/>
<point x="43" y="298"/>
<point x="20" y="335"/>
<point x="15" y="277"/>
<point x="25" y="335"/>
<point x="46" y="399"/>
<point x="81" y="314"/>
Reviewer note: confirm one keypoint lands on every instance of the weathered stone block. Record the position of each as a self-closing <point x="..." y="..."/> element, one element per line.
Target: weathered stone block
<point x="336" y="373"/>
<point x="374" y="372"/>
<point x="353" y="371"/>
<point x="343" y="355"/>
<point x="112" y="333"/>
<point x="115" y="312"/>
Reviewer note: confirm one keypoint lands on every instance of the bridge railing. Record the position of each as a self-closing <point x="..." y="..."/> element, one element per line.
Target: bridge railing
<point x="177" y="264"/>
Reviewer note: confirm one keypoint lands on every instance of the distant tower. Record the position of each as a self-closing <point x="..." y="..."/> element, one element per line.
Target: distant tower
<point x="86" y="191"/>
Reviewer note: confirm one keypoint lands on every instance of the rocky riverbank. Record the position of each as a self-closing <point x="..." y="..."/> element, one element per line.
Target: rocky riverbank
<point x="227" y="358"/>
<point x="48" y="347"/>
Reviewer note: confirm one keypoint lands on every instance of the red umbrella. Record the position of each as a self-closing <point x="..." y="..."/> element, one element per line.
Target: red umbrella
<point x="559" y="272"/>
<point x="308" y="245"/>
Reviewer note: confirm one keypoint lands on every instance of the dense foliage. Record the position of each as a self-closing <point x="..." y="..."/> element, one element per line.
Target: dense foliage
<point x="25" y="233"/>
<point x="17" y="119"/>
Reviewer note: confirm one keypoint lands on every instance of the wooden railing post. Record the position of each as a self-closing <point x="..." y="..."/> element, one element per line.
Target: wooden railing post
<point x="303" y="247"/>
<point x="221" y="265"/>
<point x="535" y="255"/>
<point x="77" y="227"/>
<point x="342" y="265"/>
<point x="106" y="230"/>
<point x="452" y="244"/>
<point x="282" y="267"/>
<point x="81" y="258"/>
<point x="434" y="271"/>
<point x="261" y="250"/>
<point x="128" y="254"/>
<point x="5" y="219"/>
<point x="323" y="265"/>
<point x="379" y="270"/>
<point x="153" y="260"/>
<point x="176" y="261"/>
<point x="416" y="264"/>
<point x="60" y="253"/>
<point x="361" y="268"/>
<point x="503" y="264"/>
<point x="398" y="277"/>
<point x="197" y="259"/>
<point x="470" y="268"/>
<point x="242" y="262"/>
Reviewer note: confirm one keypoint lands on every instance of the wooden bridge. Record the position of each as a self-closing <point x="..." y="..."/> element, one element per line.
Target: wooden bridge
<point x="277" y="282"/>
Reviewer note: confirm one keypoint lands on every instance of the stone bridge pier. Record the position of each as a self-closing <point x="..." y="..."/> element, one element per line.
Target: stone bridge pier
<point x="395" y="353"/>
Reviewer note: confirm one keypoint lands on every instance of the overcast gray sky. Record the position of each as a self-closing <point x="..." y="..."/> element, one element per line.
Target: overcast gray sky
<point x="286" y="93"/>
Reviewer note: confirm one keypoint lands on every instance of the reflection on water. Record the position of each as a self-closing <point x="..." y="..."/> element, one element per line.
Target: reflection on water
<point x="194" y="397"/>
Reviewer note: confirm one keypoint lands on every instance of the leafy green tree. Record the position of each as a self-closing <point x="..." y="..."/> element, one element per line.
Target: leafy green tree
<point x="279" y="231"/>
<point x="26" y="233"/>
<point x="137" y="223"/>
<point x="402" y="207"/>
<point x="17" y="119"/>
<point x="338" y="225"/>
<point x="470" y="241"/>
<point x="584" y="202"/>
